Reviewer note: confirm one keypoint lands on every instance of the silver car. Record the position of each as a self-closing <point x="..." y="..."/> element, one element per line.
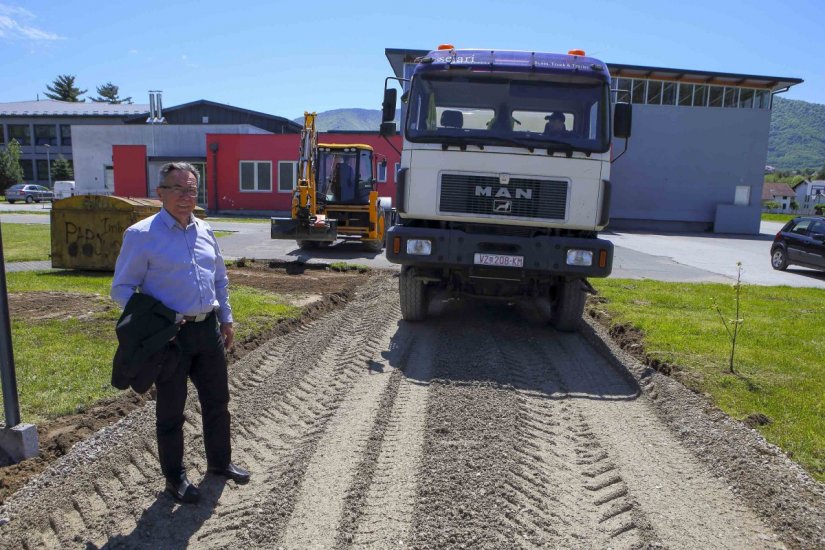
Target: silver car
<point x="28" y="192"/>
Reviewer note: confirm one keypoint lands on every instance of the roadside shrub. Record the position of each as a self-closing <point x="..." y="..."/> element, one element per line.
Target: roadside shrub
<point x="819" y="209"/>
<point x="771" y="205"/>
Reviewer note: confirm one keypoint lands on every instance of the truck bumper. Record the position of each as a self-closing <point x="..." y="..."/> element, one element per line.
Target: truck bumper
<point x="457" y="249"/>
<point x="290" y="229"/>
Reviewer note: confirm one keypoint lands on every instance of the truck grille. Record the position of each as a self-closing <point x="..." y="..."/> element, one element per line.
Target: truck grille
<point x="520" y="198"/>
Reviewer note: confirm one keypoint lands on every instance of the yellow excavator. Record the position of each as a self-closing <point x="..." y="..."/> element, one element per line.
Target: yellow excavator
<point x="336" y="195"/>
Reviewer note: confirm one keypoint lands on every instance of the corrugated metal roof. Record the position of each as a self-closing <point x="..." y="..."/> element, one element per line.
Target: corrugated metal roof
<point x="52" y="107"/>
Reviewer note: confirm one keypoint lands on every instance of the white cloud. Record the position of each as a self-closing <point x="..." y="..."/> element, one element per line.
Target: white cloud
<point x="14" y="25"/>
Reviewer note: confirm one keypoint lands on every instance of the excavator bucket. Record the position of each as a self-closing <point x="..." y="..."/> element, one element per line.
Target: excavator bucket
<point x="298" y="230"/>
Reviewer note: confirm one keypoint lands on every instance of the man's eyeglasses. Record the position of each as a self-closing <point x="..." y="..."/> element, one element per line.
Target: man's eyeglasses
<point x="178" y="190"/>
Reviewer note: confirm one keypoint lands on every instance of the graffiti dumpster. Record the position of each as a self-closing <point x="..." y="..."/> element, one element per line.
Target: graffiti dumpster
<point x="87" y="230"/>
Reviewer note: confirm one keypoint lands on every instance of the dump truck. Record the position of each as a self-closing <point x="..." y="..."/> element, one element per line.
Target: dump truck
<point x="504" y="181"/>
<point x="336" y="195"/>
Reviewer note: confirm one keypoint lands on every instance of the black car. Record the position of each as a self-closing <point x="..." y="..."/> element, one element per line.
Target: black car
<point x="800" y="242"/>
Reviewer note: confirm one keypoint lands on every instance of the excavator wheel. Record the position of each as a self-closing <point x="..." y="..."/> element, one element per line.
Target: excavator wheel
<point x="378" y="244"/>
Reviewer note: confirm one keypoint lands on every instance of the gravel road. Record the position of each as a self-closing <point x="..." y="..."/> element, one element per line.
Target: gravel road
<point x="481" y="428"/>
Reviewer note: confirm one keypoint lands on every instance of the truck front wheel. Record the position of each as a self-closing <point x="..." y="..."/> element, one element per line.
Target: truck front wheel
<point x="568" y="306"/>
<point x="413" y="294"/>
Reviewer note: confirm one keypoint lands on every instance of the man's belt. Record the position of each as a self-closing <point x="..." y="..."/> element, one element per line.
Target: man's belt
<point x="197" y="318"/>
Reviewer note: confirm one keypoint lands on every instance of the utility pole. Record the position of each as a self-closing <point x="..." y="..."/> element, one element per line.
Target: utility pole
<point x="18" y="440"/>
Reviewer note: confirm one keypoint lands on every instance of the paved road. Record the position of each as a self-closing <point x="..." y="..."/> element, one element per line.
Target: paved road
<point x="688" y="257"/>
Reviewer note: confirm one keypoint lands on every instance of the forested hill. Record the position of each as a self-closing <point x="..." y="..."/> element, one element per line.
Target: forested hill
<point x="347" y="119"/>
<point x="797" y="138"/>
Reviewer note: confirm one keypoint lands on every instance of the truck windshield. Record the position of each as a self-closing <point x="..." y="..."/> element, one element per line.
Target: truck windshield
<point x="512" y="112"/>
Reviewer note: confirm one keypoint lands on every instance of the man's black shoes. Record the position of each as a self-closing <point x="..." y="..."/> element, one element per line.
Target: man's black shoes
<point x="235" y="473"/>
<point x="183" y="490"/>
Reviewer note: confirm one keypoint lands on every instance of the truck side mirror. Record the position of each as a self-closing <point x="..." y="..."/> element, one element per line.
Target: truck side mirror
<point x="388" y="107"/>
<point x="622" y="120"/>
<point x="388" y="129"/>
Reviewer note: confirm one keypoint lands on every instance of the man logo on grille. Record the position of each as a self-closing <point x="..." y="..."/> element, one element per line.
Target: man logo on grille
<point x="502" y="207"/>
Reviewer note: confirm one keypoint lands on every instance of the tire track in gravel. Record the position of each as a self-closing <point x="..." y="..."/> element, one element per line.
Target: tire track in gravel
<point x="468" y="439"/>
<point x="566" y="490"/>
<point x="294" y="406"/>
<point x="381" y="506"/>
<point x="684" y="503"/>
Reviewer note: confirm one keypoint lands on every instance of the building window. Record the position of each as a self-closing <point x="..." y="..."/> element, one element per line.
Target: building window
<point x="623" y="90"/>
<point x="654" y="92"/>
<point x="638" y="92"/>
<point x="28" y="169"/>
<point x="669" y="93"/>
<point x="45" y="134"/>
<point x="763" y="99"/>
<point x="395" y="173"/>
<point x="742" y="196"/>
<point x="746" y="98"/>
<point x="382" y="172"/>
<point x="715" y="96"/>
<point x="43" y="169"/>
<point x="2" y="135"/>
<point x="686" y="94"/>
<point x="256" y="176"/>
<point x="731" y="97"/>
<point x="65" y="135"/>
<point x="700" y="96"/>
<point x="21" y="133"/>
<point x="287" y="176"/>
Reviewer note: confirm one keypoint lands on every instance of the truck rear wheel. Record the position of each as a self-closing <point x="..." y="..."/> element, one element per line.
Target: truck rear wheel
<point x="568" y="306"/>
<point x="413" y="294"/>
<point x="307" y="245"/>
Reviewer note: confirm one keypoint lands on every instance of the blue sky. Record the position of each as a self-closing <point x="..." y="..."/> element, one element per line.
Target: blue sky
<point x="284" y="58"/>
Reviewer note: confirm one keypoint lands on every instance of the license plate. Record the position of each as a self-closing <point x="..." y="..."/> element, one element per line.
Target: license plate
<point x="499" y="260"/>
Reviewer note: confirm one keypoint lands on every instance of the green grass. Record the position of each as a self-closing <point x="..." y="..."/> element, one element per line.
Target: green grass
<point x="219" y="234"/>
<point x="343" y="267"/>
<point x="766" y="217"/>
<point x="65" y="365"/>
<point x="779" y="354"/>
<point x="26" y="242"/>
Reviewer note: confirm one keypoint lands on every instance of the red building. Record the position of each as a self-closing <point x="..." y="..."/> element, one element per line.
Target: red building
<point x="250" y="172"/>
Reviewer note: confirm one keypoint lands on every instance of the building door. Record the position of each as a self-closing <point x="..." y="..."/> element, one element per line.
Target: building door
<point x="201" y="167"/>
<point x="108" y="180"/>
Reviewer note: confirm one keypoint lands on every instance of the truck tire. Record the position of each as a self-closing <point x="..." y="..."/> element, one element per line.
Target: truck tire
<point x="413" y="294"/>
<point x="568" y="307"/>
<point x="307" y="245"/>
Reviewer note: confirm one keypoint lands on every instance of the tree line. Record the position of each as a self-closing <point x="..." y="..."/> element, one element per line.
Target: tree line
<point x="63" y="88"/>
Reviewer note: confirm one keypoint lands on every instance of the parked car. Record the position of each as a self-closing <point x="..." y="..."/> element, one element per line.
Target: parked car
<point x="28" y="192"/>
<point x="800" y="242"/>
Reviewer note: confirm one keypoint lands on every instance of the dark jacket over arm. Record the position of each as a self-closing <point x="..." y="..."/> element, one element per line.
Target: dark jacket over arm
<point x="145" y="352"/>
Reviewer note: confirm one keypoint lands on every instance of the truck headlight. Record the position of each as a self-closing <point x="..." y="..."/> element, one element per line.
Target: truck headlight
<point x="582" y="258"/>
<point x="419" y="247"/>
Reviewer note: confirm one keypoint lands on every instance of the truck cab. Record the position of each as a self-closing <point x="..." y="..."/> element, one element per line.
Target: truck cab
<point x="504" y="180"/>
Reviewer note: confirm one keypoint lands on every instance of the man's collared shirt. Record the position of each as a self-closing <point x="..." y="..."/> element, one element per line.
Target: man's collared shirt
<point x="181" y="267"/>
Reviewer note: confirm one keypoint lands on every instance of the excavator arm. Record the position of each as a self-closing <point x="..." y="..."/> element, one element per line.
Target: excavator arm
<point x="307" y="222"/>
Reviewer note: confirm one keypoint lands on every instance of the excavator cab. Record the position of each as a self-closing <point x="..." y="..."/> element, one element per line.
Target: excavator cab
<point x="345" y="174"/>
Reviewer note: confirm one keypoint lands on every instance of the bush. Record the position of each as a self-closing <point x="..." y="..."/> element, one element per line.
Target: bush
<point x="771" y="205"/>
<point x="794" y="204"/>
<point x="819" y="209"/>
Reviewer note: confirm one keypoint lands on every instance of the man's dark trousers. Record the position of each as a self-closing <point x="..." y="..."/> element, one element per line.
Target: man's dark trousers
<point x="204" y="361"/>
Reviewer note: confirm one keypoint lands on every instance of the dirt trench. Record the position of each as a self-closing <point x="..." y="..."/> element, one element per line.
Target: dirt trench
<point x="363" y="431"/>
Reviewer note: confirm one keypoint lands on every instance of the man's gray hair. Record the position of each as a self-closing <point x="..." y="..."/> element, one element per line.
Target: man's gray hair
<point x="170" y="167"/>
